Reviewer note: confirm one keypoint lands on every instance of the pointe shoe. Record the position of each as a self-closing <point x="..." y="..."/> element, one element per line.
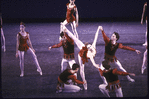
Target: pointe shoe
<point x="39" y="71"/>
<point x="85" y="86"/>
<point x="145" y="44"/>
<point x="142" y="69"/>
<point x="22" y="75"/>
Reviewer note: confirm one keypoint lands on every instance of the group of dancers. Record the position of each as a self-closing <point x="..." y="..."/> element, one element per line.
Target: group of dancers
<point x="87" y="51"/>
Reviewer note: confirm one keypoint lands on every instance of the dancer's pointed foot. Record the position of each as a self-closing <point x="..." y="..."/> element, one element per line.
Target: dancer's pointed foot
<point x="38" y="70"/>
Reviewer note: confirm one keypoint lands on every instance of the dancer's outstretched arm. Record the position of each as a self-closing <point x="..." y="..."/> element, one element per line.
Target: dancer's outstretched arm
<point x="77" y="17"/>
<point x="95" y="39"/>
<point x="93" y="62"/>
<point x="76" y="40"/>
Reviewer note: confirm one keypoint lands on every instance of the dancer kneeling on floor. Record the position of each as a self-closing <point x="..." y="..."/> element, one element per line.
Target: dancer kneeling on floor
<point x="111" y="76"/>
<point x="66" y="75"/>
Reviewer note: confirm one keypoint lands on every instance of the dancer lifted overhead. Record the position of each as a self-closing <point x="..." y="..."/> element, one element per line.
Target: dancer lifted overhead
<point x="22" y="47"/>
<point x="70" y="18"/>
<point x="111" y="46"/>
<point x="87" y="51"/>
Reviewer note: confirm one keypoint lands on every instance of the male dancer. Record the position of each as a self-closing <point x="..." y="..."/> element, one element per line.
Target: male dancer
<point x="2" y="35"/>
<point x="146" y="43"/>
<point x="68" y="46"/>
<point x="22" y="47"/>
<point x="87" y="51"/>
<point x="70" y="18"/>
<point x="111" y="46"/>
<point x="66" y="75"/>
<point x="111" y="76"/>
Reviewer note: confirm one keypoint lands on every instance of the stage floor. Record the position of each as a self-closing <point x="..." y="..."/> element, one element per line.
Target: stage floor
<point x="43" y="35"/>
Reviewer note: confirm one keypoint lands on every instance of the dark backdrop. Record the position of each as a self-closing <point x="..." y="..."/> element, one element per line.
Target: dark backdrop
<point x="55" y="10"/>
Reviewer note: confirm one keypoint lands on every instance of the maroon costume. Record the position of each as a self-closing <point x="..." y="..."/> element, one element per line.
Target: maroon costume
<point x="23" y="46"/>
<point x="68" y="47"/>
<point x="69" y="15"/>
<point x="66" y="75"/>
<point x="83" y="54"/>
<point x="112" y="78"/>
<point x="110" y="48"/>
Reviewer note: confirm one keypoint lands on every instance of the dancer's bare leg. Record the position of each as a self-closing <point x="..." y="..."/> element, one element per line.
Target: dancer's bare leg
<point x="30" y="51"/>
<point x="82" y="71"/>
<point x="73" y="25"/>
<point x="76" y="40"/>
<point x="3" y="39"/>
<point x="21" y="57"/>
<point x="144" y="61"/>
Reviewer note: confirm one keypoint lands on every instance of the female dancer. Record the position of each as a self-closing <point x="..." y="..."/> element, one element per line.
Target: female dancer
<point x="87" y="51"/>
<point x="22" y="46"/>
<point x="145" y="44"/>
<point x="2" y="36"/>
<point x="71" y="8"/>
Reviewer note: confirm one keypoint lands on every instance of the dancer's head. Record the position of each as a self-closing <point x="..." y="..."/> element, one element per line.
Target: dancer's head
<point x="106" y="65"/>
<point x="62" y="34"/>
<point x="75" y="67"/>
<point x="22" y="26"/>
<point x="72" y="1"/>
<point x="91" y="49"/>
<point x="115" y="36"/>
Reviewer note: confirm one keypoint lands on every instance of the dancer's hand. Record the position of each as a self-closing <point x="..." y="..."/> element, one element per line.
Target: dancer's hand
<point x="50" y="48"/>
<point x="138" y="52"/>
<point x="100" y="28"/>
<point x="85" y="82"/>
<point x="132" y="74"/>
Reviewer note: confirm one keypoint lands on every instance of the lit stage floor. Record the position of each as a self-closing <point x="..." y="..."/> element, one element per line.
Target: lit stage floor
<point x="43" y="35"/>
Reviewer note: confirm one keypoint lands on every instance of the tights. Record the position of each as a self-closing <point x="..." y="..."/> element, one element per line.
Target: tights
<point x="21" y="57"/>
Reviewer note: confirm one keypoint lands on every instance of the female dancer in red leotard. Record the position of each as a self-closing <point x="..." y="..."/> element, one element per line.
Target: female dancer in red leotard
<point x="70" y="18"/>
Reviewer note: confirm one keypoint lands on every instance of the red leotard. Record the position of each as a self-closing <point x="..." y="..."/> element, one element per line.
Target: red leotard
<point x="69" y="15"/>
<point x="23" y="46"/>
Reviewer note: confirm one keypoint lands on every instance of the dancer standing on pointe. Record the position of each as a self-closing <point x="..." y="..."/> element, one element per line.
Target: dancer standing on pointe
<point x="2" y="36"/>
<point x="111" y="76"/>
<point x="87" y="51"/>
<point x="111" y="46"/>
<point x="22" y="47"/>
<point x="70" y="18"/>
<point x="146" y="43"/>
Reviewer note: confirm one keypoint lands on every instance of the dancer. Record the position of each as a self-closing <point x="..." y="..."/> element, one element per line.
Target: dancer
<point x="111" y="46"/>
<point x="70" y="18"/>
<point x="22" y="47"/>
<point x="111" y="76"/>
<point x="87" y="51"/>
<point x="2" y="35"/>
<point x="68" y="46"/>
<point x="146" y="43"/>
<point x="66" y="75"/>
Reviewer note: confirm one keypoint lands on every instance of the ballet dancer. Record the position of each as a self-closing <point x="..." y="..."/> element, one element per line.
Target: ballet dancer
<point x="2" y="36"/>
<point x="66" y="75"/>
<point x="87" y="51"/>
<point x="146" y="43"/>
<point x="111" y="76"/>
<point x="70" y="18"/>
<point x="22" y="47"/>
<point x="111" y="46"/>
